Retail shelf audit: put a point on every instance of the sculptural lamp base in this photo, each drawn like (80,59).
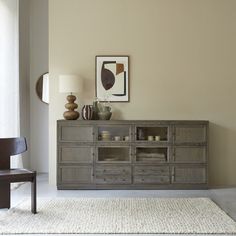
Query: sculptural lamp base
(71,106)
(71,115)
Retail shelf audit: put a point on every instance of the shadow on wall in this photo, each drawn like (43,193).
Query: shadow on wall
(116,114)
(221,155)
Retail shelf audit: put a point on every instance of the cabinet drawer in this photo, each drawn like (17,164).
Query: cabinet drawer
(76,155)
(76,174)
(151,170)
(189,175)
(151,179)
(77,133)
(190,134)
(116,179)
(189,154)
(113,170)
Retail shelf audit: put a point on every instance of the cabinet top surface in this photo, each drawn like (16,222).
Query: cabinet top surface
(107,122)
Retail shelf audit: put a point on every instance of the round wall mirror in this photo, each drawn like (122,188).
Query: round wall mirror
(42,88)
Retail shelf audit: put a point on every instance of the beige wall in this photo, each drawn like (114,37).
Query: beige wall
(182,64)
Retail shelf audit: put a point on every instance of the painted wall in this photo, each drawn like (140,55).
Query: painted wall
(38,66)
(24,76)
(182,64)
(33,53)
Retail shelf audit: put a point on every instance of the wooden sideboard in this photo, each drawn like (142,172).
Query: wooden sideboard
(132,154)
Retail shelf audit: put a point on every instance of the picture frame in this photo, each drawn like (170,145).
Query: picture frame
(112,78)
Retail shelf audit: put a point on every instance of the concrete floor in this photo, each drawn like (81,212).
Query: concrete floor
(225,198)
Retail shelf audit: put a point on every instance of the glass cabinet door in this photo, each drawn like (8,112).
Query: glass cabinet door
(190,134)
(189,154)
(152,133)
(113,154)
(77,133)
(76,174)
(114,133)
(152,154)
(189,174)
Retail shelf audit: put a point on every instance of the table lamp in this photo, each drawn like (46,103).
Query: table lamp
(70,84)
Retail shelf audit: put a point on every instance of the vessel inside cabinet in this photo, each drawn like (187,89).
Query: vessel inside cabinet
(152,133)
(114,133)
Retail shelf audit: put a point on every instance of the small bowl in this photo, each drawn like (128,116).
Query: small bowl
(150,138)
(117,138)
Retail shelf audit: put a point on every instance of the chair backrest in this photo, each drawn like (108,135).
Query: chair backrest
(10,147)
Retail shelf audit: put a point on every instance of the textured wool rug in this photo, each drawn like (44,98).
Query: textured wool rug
(118,215)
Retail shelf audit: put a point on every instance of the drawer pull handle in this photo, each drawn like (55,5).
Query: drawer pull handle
(123,179)
(104,170)
(104,179)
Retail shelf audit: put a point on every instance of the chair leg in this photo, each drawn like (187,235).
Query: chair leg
(5,196)
(34,195)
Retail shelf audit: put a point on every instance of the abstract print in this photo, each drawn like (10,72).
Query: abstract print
(112,78)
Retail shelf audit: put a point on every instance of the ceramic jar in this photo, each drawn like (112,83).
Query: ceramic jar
(105,113)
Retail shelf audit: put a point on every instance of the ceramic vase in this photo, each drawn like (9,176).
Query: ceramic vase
(95,111)
(105,113)
(87,112)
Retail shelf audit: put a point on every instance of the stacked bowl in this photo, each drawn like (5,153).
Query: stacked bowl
(105,135)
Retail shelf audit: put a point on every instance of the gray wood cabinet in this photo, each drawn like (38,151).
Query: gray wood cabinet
(132,154)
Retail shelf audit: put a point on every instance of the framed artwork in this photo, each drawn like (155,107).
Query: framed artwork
(112,78)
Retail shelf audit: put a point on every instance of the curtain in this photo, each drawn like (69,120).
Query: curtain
(9,73)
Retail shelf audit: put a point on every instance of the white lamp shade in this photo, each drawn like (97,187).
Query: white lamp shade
(70,84)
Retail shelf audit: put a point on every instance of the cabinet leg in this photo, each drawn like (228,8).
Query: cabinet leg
(5,196)
(34,195)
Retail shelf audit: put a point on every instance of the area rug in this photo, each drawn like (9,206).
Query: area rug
(118,216)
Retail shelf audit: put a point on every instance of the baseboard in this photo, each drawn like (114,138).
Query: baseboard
(221,186)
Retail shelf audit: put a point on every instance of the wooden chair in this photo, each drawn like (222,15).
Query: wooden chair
(10,147)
